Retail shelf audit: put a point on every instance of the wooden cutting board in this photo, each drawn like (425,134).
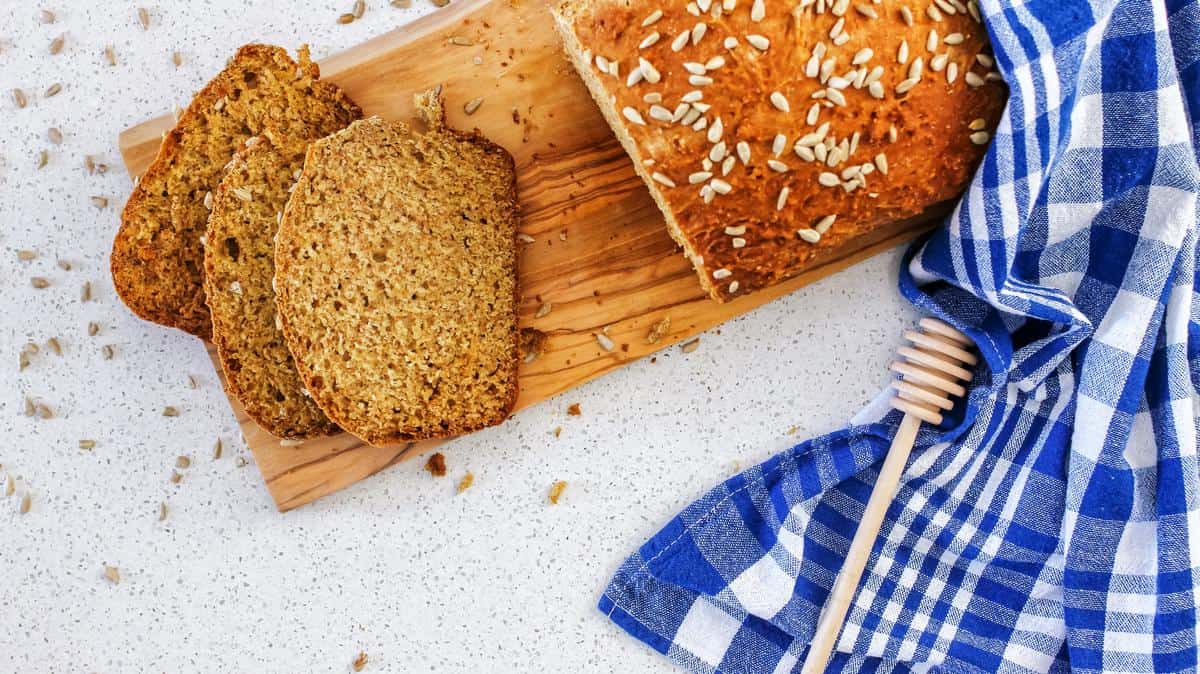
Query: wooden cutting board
(601,254)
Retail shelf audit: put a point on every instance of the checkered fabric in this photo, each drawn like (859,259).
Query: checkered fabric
(1053,522)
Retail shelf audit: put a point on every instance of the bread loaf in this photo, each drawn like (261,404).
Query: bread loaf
(770,133)
(239,265)
(396,279)
(157,259)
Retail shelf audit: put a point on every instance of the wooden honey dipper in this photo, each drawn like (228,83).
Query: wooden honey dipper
(931,370)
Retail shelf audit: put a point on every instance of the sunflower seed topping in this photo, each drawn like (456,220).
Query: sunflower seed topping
(652,18)
(824,224)
(758,42)
(980,137)
(680,41)
(973,79)
(633,116)
(809,235)
(662,179)
(828,179)
(649,40)
(721,274)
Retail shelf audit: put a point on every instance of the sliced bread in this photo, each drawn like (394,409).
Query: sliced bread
(157,258)
(396,278)
(239,264)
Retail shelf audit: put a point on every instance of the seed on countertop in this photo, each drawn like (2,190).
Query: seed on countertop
(93,329)
(360,661)
(177,59)
(26,503)
(144,18)
(473,105)
(53,90)
(26,255)
(56,45)
(39,282)
(44,411)
(401,4)
(100,202)
(54,135)
(54,346)
(43,159)
(170,411)
(556,491)
(176,476)
(162,511)
(360,8)
(85,293)
(113,574)
(10,485)
(440,3)
(87,444)
(692,344)
(345,18)
(19,98)
(23,361)
(46,16)
(110,55)
(108,351)
(183,462)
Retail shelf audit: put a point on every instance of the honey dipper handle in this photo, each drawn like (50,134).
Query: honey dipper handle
(836,607)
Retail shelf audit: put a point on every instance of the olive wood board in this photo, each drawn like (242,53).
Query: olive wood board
(601,255)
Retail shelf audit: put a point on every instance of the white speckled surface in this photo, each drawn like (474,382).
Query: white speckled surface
(397,566)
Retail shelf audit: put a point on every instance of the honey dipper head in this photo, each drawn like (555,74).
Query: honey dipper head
(931,370)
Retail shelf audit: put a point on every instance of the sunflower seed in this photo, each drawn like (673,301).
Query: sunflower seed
(217,448)
(781,200)
(345,18)
(652,18)
(633,115)
(730,42)
(23,361)
(112,574)
(85,292)
(780,102)
(980,137)
(10,486)
(110,55)
(698,32)
(691,345)
(53,90)
(973,79)
(54,346)
(680,41)
(604,341)
(240,462)
(26,503)
(170,411)
(985,60)
(906,85)
(777,166)
(93,329)
(699,177)
(721,274)
(758,42)
(933,12)
(44,411)
(758,11)
(360,7)
(54,135)
(907,15)
(824,224)
(162,511)
(87,444)
(100,202)
(46,16)
(473,105)
(183,462)
(39,282)
(662,179)
(19,98)
(952,73)
(649,40)
(56,45)
(144,18)
(176,476)
(26,255)
(743,152)
(809,235)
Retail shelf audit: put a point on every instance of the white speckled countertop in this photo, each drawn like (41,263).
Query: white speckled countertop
(397,566)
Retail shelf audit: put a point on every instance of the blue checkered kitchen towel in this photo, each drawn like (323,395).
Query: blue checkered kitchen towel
(1054,523)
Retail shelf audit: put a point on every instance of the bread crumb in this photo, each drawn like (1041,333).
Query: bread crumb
(574,410)
(533,343)
(792,430)
(113,574)
(436,465)
(557,431)
(556,491)
(466,482)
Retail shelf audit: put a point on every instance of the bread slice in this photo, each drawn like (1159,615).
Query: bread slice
(772,135)
(157,260)
(239,265)
(396,278)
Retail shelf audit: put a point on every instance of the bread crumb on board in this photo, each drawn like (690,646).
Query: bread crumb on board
(436,465)
(556,491)
(574,410)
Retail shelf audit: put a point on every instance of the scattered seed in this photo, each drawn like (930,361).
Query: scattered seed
(217,449)
(56,45)
(359,662)
(26,503)
(46,16)
(466,482)
(54,135)
(53,90)
(85,293)
(39,282)
(183,462)
(402,4)
(544,310)
(461,41)
(345,18)
(360,8)
(177,59)
(473,105)
(54,346)
(110,55)
(690,345)
(23,361)
(170,411)
(162,511)
(100,202)
(108,351)
(176,477)
(26,255)
(19,98)
(144,18)
(436,465)
(10,485)
(604,341)
(43,159)
(556,491)
(241,462)
(113,574)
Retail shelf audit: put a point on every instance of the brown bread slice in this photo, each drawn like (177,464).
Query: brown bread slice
(157,258)
(396,278)
(239,264)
